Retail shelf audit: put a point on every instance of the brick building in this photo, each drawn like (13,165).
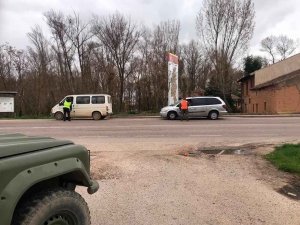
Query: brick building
(274,89)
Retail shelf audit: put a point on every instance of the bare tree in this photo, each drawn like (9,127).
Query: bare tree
(268,45)
(39,63)
(80,35)
(278,47)
(120,37)
(193,63)
(225,28)
(63,47)
(285,46)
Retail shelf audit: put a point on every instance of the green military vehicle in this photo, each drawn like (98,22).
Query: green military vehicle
(38,176)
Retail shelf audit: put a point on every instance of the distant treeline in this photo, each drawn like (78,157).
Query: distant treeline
(113,55)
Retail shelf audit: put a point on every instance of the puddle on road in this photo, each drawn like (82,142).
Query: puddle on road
(291,190)
(227,152)
(219,151)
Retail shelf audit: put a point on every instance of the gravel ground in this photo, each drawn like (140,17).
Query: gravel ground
(147,176)
(145,187)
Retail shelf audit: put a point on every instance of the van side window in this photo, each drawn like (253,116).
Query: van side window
(98,99)
(83,100)
(198,101)
(213,101)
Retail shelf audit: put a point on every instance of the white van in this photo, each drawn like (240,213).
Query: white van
(97,106)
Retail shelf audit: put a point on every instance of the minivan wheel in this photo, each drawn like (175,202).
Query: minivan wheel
(58,116)
(96,115)
(172,115)
(213,115)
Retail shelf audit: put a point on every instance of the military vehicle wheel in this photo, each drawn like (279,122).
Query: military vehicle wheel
(58,116)
(54,207)
(96,115)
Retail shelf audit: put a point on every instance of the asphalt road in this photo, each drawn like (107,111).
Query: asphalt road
(157,134)
(143,179)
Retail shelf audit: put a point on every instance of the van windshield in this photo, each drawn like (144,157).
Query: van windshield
(176,103)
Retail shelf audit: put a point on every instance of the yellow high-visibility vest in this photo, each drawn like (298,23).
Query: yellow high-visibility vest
(67,104)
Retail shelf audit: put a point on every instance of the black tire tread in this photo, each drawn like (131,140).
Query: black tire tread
(29,208)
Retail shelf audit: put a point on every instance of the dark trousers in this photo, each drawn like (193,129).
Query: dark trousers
(67,111)
(185,114)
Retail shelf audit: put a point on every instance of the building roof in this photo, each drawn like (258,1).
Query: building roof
(278,80)
(278,69)
(246,77)
(8,92)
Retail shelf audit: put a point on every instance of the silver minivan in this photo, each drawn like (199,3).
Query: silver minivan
(205,106)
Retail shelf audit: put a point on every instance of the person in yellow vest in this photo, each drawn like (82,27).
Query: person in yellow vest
(184,108)
(67,108)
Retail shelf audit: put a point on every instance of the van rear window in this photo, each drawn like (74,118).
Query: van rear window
(83,100)
(98,99)
(213,101)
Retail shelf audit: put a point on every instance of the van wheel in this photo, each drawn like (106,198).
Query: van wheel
(58,116)
(96,115)
(57,206)
(213,115)
(172,115)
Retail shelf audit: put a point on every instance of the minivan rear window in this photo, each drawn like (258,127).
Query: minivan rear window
(83,100)
(98,99)
(213,101)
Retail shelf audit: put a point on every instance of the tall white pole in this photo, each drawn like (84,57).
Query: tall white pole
(172,78)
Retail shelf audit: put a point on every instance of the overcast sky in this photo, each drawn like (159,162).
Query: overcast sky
(17,17)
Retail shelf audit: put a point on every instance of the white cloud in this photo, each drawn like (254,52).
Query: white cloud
(273,17)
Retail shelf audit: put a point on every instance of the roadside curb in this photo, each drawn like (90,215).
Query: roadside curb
(228,115)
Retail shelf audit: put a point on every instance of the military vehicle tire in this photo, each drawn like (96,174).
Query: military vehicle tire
(53,207)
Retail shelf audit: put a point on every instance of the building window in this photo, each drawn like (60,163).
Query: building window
(253,108)
(252,82)
(256,108)
(247,88)
(265,106)
(249,100)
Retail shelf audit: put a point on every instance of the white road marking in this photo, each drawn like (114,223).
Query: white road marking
(205,135)
(95,136)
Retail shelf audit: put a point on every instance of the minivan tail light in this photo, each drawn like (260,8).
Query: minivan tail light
(225,107)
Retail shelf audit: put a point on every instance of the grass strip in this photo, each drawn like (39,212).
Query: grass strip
(286,158)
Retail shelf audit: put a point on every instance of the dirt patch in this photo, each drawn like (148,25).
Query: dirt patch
(291,190)
(105,172)
(247,149)
(284,183)
(102,169)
